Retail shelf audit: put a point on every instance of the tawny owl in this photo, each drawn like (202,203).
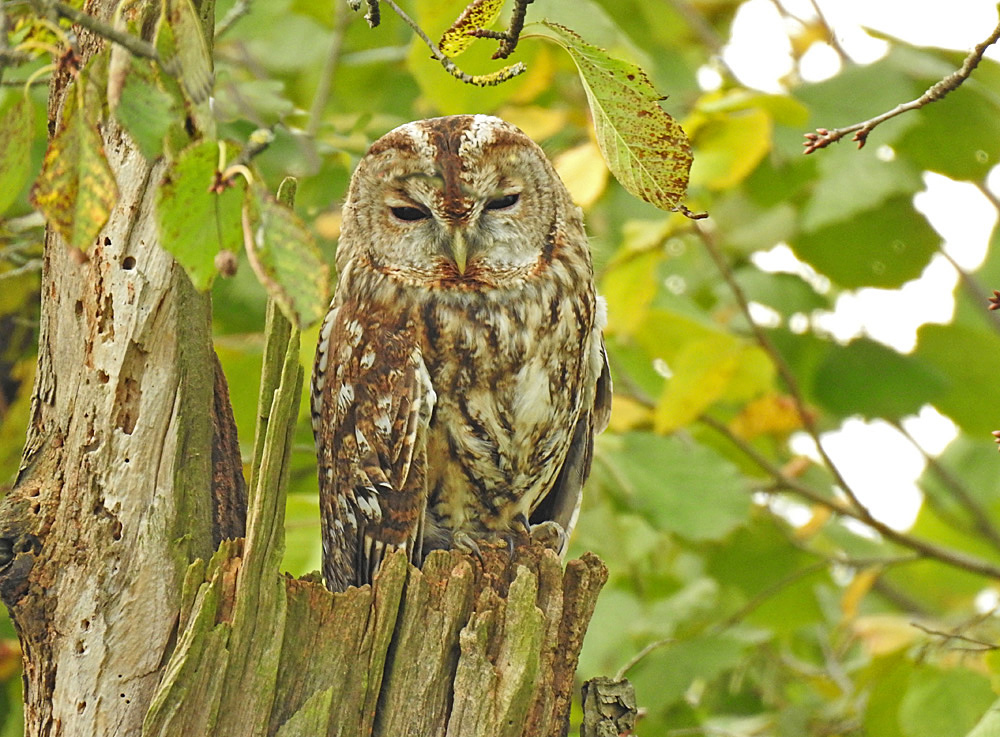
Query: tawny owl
(460,374)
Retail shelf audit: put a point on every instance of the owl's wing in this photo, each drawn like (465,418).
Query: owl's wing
(372,402)
(562,503)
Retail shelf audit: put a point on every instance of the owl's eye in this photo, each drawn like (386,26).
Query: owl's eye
(410,213)
(502,203)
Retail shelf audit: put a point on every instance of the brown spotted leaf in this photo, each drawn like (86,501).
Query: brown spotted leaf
(285,257)
(76,189)
(479,14)
(646,149)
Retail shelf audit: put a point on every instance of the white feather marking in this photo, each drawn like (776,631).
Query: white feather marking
(601,313)
(534,403)
(383,424)
(367,359)
(345,397)
(324,333)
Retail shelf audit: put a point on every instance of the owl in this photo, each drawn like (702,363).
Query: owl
(460,374)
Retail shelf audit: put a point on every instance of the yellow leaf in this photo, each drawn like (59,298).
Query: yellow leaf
(582,169)
(628,414)
(729,147)
(856,590)
(478,15)
(882,634)
(701,373)
(820,516)
(772,414)
(537,122)
(630,285)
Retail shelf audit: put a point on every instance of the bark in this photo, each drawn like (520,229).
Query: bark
(114,498)
(137,617)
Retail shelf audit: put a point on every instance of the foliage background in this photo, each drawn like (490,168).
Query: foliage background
(772,613)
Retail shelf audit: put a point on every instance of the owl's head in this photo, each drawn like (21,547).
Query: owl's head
(463,201)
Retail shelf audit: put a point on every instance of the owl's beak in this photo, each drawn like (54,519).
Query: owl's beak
(459,250)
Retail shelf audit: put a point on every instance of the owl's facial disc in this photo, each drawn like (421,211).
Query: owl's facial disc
(462,222)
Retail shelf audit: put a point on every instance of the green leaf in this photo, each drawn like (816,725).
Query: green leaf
(958,136)
(646,149)
(145,109)
(76,189)
(868,379)
(852,182)
(967,355)
(477,15)
(195,222)
(182,45)
(684,488)
(286,259)
(663,676)
(989,725)
(16,132)
(883,247)
(943,702)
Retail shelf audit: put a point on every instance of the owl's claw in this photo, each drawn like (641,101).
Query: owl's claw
(551,535)
(463,541)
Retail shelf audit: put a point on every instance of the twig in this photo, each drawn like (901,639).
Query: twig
(134,44)
(949,636)
(970,284)
(635,659)
(784,371)
(509,38)
(928,549)
(340,21)
(979,515)
(824,137)
(831,36)
(480,80)
(25,268)
(988,194)
(239,9)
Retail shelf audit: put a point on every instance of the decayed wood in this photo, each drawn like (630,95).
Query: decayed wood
(455,649)
(609,708)
(114,498)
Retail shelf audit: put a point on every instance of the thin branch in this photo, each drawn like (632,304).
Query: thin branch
(480,80)
(831,36)
(134,44)
(241,8)
(635,659)
(928,549)
(341,19)
(824,137)
(26,268)
(982,645)
(784,370)
(508,39)
(988,194)
(971,286)
(980,517)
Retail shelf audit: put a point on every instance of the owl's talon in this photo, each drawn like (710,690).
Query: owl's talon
(551,535)
(463,541)
(522,524)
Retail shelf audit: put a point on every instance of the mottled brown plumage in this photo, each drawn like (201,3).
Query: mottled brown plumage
(460,374)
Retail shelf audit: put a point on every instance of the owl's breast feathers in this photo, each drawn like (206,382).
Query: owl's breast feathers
(438,412)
